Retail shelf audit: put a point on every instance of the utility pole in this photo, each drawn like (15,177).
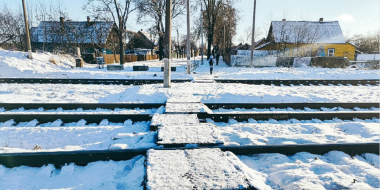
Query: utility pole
(224,40)
(253,33)
(177,42)
(168,40)
(188,38)
(202,31)
(27,32)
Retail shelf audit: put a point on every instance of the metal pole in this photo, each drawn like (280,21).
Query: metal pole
(27,32)
(253,33)
(178,43)
(168,39)
(202,32)
(224,40)
(188,38)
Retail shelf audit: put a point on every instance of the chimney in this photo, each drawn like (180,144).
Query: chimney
(62,21)
(283,20)
(320,19)
(88,21)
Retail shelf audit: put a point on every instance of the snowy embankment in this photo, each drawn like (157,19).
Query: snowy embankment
(15,64)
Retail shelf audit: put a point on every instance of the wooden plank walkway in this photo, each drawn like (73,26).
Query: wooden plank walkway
(181,136)
(195,169)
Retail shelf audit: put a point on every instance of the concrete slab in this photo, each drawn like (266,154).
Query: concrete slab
(183,99)
(173,120)
(180,136)
(195,169)
(182,108)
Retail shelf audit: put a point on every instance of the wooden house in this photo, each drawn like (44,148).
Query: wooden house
(68,35)
(140,40)
(307,39)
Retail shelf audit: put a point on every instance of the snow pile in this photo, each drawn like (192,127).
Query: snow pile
(16,64)
(334,170)
(272,132)
(97,175)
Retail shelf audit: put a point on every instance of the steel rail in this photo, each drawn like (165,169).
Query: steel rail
(225,117)
(82,158)
(88,81)
(69,117)
(84,106)
(213,106)
(288,82)
(320,105)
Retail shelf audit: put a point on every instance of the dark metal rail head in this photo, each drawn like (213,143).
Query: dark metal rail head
(82,158)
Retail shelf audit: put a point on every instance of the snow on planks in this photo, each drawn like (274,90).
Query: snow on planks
(188,108)
(180,136)
(173,119)
(195,169)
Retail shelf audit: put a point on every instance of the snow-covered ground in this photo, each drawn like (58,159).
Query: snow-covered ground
(334,170)
(97,175)
(297,132)
(72,137)
(210,93)
(15,64)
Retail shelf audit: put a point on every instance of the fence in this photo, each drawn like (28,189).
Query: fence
(111,58)
(262,61)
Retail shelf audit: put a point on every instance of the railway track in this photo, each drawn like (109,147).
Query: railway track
(159,81)
(82,158)
(88,81)
(66,117)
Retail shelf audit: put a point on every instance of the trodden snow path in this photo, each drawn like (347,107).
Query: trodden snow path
(195,169)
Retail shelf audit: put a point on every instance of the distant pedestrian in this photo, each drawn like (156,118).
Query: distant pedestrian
(217,58)
(211,63)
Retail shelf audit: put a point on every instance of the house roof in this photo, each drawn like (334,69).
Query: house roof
(306,32)
(74,32)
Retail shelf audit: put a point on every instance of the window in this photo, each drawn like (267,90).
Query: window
(330,52)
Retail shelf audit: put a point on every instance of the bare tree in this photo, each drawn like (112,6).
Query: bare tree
(155,9)
(368,43)
(12,28)
(118,11)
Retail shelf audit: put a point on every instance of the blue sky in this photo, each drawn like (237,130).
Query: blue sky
(354,16)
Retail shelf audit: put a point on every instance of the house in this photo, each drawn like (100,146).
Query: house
(307,39)
(140,40)
(68,35)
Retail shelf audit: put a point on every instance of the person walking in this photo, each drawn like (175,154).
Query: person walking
(211,63)
(217,58)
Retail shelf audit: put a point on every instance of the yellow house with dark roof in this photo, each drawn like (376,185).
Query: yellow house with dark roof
(308,39)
